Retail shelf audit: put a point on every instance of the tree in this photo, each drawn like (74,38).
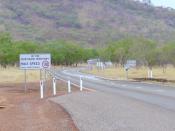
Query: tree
(119,50)
(6,52)
(104,54)
(169,52)
(144,50)
(89,54)
(23,47)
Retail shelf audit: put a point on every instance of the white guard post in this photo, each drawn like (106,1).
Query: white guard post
(81,84)
(41,89)
(69,87)
(54,86)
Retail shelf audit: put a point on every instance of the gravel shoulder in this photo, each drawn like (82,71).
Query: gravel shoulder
(21,111)
(97,111)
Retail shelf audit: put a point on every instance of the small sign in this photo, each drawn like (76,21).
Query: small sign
(130,64)
(35,61)
(92,61)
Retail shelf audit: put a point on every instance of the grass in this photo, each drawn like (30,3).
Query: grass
(119,73)
(15,75)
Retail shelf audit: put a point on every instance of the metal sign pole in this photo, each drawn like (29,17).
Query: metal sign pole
(126,74)
(25,80)
(45,78)
(40,74)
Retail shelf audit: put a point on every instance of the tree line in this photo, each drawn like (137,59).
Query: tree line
(146,52)
(62,52)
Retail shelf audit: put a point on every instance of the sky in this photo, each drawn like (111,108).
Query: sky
(165,3)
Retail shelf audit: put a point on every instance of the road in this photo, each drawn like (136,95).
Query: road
(160,95)
(118,105)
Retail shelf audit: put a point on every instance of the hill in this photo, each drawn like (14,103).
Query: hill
(88,22)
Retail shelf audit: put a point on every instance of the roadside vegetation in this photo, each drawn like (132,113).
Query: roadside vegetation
(149,54)
(62,52)
(135,73)
(14,75)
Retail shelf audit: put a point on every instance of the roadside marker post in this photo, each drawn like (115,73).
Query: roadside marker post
(41,90)
(81,84)
(69,86)
(129,64)
(54,86)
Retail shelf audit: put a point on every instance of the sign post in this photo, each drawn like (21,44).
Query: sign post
(35,62)
(25,80)
(129,64)
(40,74)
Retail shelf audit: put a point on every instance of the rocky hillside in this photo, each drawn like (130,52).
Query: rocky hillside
(88,22)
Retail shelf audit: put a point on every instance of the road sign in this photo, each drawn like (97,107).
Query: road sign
(130,64)
(92,61)
(35,61)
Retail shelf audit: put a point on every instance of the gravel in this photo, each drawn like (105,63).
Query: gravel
(97,111)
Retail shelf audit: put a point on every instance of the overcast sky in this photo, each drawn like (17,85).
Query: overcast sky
(166,3)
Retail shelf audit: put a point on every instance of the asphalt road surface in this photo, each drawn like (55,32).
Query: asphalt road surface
(118,105)
(151,93)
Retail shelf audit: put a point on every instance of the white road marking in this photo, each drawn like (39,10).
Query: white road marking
(78,75)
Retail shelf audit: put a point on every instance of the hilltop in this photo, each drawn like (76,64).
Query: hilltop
(87,22)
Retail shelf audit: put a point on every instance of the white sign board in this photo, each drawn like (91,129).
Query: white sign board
(92,61)
(130,64)
(35,61)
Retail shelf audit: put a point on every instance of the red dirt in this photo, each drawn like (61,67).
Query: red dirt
(21,111)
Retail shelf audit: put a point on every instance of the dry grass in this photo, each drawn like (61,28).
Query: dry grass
(119,73)
(15,75)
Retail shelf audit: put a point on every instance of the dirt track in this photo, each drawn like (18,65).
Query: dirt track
(21,111)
